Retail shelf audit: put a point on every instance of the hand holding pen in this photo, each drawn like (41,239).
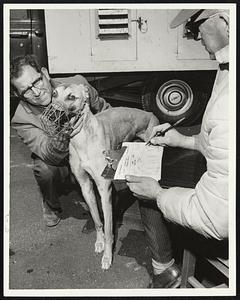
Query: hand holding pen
(161,130)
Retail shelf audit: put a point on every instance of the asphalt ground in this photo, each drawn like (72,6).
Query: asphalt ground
(63,257)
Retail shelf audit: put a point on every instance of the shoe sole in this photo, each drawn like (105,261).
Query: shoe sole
(54,224)
(176,284)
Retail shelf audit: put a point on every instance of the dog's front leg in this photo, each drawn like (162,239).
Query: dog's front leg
(105,191)
(89,195)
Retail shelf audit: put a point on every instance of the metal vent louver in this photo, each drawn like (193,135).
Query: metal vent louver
(113,23)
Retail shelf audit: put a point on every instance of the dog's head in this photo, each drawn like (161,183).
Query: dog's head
(72,97)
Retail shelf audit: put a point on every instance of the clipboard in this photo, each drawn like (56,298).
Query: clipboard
(180,167)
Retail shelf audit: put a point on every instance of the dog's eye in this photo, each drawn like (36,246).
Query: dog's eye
(71,97)
(54,93)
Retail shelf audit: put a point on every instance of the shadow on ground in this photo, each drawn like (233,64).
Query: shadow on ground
(131,244)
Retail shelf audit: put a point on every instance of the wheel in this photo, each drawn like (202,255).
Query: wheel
(174,99)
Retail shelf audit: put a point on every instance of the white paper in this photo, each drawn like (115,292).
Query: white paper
(140,160)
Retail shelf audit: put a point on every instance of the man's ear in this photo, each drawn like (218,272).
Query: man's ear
(45,72)
(13,90)
(15,93)
(225,18)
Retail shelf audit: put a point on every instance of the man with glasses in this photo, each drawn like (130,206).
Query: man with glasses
(33,85)
(205,208)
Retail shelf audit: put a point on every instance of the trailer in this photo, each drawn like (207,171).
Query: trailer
(131,55)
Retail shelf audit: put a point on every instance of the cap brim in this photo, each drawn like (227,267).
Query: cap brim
(182,17)
(185,14)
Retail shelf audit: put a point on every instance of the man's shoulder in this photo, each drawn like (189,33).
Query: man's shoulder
(23,114)
(19,112)
(77,79)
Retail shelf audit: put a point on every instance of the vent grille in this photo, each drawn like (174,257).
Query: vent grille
(113,23)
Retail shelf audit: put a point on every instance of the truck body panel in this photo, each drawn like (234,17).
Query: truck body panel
(75,46)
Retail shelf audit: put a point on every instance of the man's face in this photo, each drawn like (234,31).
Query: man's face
(214,34)
(33,86)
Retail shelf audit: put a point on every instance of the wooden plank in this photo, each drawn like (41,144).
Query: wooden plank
(224,261)
(219,266)
(220,286)
(195,283)
(188,267)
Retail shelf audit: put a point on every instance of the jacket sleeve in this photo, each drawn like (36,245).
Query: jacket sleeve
(40,144)
(205,208)
(97,104)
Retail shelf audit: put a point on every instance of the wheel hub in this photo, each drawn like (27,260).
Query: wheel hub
(174,97)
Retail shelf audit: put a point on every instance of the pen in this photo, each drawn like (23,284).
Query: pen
(162,133)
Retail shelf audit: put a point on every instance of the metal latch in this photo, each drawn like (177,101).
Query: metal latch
(142,24)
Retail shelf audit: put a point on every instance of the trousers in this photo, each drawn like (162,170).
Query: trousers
(50,177)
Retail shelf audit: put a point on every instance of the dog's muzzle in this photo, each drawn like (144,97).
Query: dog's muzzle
(55,120)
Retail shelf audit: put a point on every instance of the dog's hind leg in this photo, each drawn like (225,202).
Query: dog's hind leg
(105,191)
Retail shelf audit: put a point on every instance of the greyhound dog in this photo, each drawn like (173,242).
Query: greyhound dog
(100,132)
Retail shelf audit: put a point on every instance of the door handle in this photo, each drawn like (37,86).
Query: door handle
(38,33)
(142,24)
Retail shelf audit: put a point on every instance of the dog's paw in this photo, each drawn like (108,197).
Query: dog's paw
(106,262)
(100,242)
(99,247)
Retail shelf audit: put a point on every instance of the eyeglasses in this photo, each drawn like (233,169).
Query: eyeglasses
(193,28)
(28,92)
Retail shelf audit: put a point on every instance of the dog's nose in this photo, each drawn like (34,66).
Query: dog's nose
(72,108)
(54,93)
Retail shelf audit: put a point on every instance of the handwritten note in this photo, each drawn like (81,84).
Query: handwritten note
(140,160)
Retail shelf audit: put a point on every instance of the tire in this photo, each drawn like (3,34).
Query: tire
(173,99)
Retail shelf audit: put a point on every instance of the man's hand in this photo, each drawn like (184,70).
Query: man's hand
(61,141)
(171,138)
(144,187)
(77,124)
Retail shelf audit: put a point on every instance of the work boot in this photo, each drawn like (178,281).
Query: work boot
(169,278)
(51,216)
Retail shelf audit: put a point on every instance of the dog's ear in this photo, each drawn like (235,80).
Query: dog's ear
(83,92)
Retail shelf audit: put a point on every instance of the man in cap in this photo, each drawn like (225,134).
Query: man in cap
(203,209)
